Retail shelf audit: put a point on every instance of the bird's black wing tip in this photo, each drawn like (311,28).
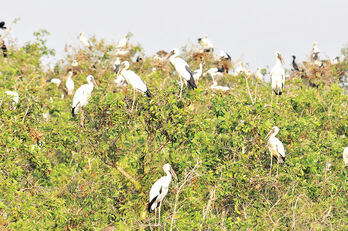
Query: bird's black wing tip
(150,204)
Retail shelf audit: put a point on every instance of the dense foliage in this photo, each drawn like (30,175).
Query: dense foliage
(58,175)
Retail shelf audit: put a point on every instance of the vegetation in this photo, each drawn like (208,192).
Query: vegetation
(58,175)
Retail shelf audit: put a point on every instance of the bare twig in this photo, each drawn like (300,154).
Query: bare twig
(188,176)
(252,101)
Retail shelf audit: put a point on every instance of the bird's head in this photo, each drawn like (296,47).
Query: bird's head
(279,57)
(294,57)
(90,79)
(274,131)
(174,51)
(168,168)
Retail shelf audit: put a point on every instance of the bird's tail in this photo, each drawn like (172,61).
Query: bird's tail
(191,83)
(73,111)
(148,93)
(150,205)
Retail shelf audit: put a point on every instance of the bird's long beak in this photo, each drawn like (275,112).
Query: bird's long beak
(95,84)
(120,69)
(173,174)
(281,58)
(267,136)
(169,54)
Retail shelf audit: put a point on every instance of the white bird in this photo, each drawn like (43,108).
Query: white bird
(134,80)
(215,73)
(69,83)
(278,75)
(55,81)
(183,70)
(74,63)
(159,190)
(123,42)
(258,74)
(220,88)
(84,40)
(336,60)
(82,95)
(120,81)
(198,73)
(14,96)
(315,48)
(224,56)
(206,44)
(275,146)
(345,156)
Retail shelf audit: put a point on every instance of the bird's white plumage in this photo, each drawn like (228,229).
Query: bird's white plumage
(180,65)
(278,74)
(206,43)
(84,40)
(132,78)
(14,96)
(219,88)
(258,74)
(198,73)
(123,42)
(215,73)
(83,94)
(275,146)
(55,81)
(160,188)
(345,156)
(70,83)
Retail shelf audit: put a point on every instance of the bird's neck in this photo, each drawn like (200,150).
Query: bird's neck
(279,63)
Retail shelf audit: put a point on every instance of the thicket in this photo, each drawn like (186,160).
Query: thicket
(55,174)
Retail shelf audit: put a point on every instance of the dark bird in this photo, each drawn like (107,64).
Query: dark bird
(294,64)
(2,25)
(4,50)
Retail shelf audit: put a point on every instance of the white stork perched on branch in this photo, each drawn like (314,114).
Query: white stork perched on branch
(159,190)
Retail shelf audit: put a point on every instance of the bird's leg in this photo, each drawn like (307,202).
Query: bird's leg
(270,168)
(155,215)
(159,215)
(82,118)
(181,87)
(133,99)
(255,91)
(271,98)
(277,98)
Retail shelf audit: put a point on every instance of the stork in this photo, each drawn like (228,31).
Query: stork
(82,96)
(134,80)
(214,86)
(159,190)
(55,81)
(70,83)
(123,42)
(14,96)
(198,73)
(206,44)
(275,146)
(258,74)
(345,156)
(183,70)
(278,75)
(215,73)
(84,40)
